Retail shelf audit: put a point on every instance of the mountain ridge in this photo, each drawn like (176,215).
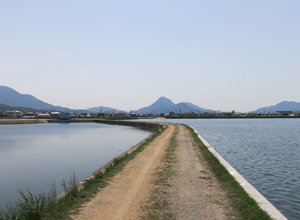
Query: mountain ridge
(11,97)
(14,99)
(281,106)
(165,105)
(103,109)
(157,106)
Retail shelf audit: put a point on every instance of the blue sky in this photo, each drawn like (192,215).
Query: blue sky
(221,55)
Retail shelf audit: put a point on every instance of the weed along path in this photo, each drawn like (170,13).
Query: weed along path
(127,192)
(169,179)
(185,188)
(195,192)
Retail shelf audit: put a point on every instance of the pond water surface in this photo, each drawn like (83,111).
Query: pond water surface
(265,151)
(32,156)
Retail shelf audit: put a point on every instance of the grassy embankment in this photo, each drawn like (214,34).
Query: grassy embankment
(46,206)
(104,118)
(241,201)
(10,122)
(228,117)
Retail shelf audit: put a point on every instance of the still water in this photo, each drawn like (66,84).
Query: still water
(32,156)
(265,151)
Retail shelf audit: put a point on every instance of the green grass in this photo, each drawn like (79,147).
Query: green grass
(41,206)
(241,201)
(36,121)
(158,206)
(36,206)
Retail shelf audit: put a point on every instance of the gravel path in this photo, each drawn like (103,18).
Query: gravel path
(193,193)
(128,191)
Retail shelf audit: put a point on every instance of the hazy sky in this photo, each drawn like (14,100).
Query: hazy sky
(222,55)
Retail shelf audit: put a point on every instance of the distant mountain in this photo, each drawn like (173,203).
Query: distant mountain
(184,107)
(10,97)
(103,109)
(157,107)
(196,107)
(164,105)
(282,106)
(5,108)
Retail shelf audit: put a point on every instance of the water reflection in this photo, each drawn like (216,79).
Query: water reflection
(32,156)
(265,151)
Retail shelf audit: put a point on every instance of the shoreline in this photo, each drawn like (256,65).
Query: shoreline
(249,189)
(264,204)
(23,121)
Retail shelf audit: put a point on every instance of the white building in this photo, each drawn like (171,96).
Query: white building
(55,114)
(109,114)
(14,113)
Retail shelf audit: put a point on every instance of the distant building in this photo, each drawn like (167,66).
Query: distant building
(297,113)
(109,114)
(120,114)
(253,114)
(100,114)
(55,114)
(72,115)
(285,113)
(83,114)
(226,114)
(43,115)
(203,114)
(276,114)
(172,114)
(14,113)
(64,116)
(190,114)
(29,115)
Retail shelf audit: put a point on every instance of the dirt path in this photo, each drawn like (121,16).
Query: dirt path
(193,192)
(128,191)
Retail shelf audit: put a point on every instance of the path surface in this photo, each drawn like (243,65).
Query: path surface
(194,191)
(128,191)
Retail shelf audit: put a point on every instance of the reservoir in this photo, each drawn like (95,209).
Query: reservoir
(264,151)
(32,156)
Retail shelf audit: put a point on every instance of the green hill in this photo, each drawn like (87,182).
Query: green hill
(4,108)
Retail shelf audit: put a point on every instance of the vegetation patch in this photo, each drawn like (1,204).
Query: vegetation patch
(42,206)
(7,122)
(241,201)
(158,206)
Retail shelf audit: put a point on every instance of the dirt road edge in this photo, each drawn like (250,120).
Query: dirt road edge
(263,203)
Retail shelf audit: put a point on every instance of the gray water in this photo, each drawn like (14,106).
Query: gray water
(265,151)
(32,156)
